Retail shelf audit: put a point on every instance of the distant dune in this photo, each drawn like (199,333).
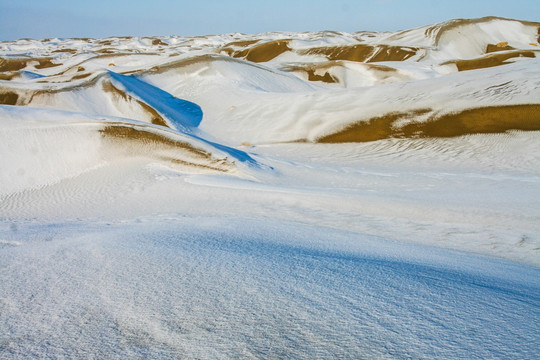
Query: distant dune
(219,93)
(385,76)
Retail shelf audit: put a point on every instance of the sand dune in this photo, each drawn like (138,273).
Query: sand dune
(81,142)
(8,98)
(14,64)
(210,103)
(139,141)
(491,60)
(260,52)
(278,195)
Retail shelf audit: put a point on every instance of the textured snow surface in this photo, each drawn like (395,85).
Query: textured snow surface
(228,288)
(278,195)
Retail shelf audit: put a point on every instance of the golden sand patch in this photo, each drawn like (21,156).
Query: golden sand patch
(14,64)
(363,52)
(323,71)
(8,75)
(327,77)
(260,52)
(158,42)
(314,72)
(484,120)
(46,63)
(8,98)
(145,143)
(373,129)
(502,46)
(108,87)
(105,42)
(490,60)
(80,76)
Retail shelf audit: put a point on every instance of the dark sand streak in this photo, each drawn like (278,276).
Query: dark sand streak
(363,52)
(149,143)
(484,120)
(260,52)
(491,60)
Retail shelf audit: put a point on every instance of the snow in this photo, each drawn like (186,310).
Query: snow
(182,113)
(220,287)
(161,199)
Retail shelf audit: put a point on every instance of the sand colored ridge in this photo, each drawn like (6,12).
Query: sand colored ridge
(495,119)
(139,141)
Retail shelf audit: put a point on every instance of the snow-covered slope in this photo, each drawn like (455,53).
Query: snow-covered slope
(317,195)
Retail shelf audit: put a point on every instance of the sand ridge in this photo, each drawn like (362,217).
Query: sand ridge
(71,74)
(260,52)
(484,120)
(136,140)
(492,59)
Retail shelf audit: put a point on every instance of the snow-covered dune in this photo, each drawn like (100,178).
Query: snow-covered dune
(42,147)
(287,88)
(227,288)
(276,195)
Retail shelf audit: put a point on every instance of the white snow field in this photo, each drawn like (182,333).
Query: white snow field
(281,195)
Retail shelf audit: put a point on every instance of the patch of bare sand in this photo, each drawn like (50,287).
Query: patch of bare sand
(8,98)
(491,60)
(46,63)
(80,76)
(138,141)
(260,52)
(158,42)
(373,129)
(106,51)
(322,71)
(484,120)
(14,64)
(363,52)
(8,75)
(105,42)
(502,46)
(314,72)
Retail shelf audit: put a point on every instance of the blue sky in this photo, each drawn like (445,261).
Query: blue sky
(101,18)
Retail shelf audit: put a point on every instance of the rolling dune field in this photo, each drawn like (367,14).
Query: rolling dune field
(277,195)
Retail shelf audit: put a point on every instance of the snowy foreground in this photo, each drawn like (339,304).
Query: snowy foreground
(281,195)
